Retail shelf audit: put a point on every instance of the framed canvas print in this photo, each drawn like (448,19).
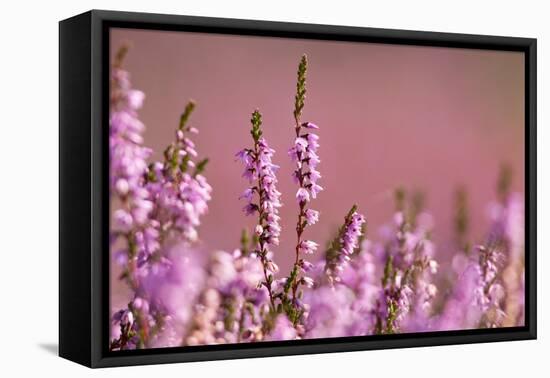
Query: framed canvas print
(233,188)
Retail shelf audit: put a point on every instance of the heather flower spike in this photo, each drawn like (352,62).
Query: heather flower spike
(344,245)
(132,224)
(263,199)
(304,155)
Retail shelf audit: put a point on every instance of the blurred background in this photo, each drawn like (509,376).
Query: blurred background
(424,118)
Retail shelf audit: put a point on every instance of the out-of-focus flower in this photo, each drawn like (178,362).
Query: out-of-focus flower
(283,330)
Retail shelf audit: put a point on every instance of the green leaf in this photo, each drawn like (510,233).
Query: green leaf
(201,165)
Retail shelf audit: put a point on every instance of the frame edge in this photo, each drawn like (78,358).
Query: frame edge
(75,336)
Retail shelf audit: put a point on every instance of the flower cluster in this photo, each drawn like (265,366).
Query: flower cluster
(408,293)
(178,293)
(177,186)
(156,206)
(232,305)
(128,167)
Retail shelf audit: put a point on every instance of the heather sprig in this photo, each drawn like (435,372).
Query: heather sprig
(344,245)
(263,199)
(304,154)
(181,193)
(395,299)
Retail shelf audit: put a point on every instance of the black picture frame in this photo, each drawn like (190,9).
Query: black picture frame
(84,201)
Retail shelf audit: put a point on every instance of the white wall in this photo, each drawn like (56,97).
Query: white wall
(29,189)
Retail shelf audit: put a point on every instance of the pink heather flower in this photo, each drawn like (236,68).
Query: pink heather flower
(300,145)
(306,266)
(272,267)
(312,216)
(313,175)
(135,99)
(302,195)
(122,186)
(250,208)
(122,330)
(308,247)
(308,281)
(315,189)
(433,265)
(247,194)
(123,220)
(127,318)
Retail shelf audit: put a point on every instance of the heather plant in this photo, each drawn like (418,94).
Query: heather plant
(180,293)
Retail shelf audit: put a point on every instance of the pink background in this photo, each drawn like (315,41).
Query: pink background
(422,117)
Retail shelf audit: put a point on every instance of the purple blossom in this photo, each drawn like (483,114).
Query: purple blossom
(308,247)
(312,216)
(302,195)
